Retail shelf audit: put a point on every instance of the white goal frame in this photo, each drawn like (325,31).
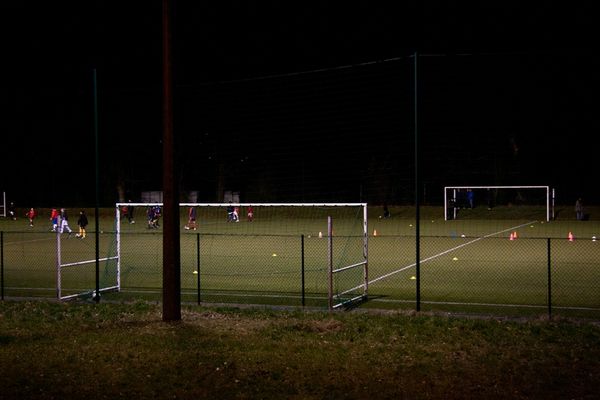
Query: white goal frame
(334,300)
(3,205)
(549,196)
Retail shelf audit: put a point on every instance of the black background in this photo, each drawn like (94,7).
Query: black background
(298,101)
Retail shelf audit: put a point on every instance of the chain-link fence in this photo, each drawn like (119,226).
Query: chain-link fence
(496,276)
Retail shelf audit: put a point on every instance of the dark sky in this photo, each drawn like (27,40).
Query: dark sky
(278,96)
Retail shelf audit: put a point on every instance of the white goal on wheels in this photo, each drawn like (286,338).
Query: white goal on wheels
(538,199)
(252,246)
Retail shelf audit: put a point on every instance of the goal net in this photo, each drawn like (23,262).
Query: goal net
(506,201)
(76,264)
(267,249)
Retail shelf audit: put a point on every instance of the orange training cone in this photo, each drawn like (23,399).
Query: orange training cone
(516,235)
(374,232)
(570,236)
(512,236)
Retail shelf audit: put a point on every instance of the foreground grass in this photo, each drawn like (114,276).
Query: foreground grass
(80,350)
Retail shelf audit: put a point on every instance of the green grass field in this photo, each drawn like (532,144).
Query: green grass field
(82,350)
(467,265)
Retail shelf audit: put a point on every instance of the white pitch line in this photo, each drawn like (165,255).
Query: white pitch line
(450,250)
(28,241)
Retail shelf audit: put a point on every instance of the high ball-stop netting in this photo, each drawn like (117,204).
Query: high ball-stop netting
(280,249)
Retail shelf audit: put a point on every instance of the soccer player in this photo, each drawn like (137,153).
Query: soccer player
(236,214)
(12,211)
(54,219)
(229,213)
(64,221)
(191,219)
(250,214)
(471,198)
(386,211)
(153,216)
(130,213)
(150,215)
(124,211)
(31,214)
(82,222)
(579,209)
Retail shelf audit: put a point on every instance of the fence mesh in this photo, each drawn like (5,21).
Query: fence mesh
(493,275)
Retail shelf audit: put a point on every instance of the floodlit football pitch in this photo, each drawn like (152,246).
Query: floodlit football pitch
(497,266)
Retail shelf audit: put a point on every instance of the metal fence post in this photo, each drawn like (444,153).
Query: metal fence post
(549,257)
(302,268)
(198,265)
(330,260)
(1,265)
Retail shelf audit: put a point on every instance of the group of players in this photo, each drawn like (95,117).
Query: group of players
(58,219)
(233,214)
(154,213)
(31,214)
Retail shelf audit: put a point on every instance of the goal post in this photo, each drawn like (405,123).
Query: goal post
(3,205)
(242,242)
(349,280)
(468,197)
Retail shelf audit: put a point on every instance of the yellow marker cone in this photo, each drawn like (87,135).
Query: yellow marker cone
(412,278)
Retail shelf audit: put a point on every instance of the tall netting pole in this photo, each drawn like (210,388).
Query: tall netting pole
(96,205)
(417,199)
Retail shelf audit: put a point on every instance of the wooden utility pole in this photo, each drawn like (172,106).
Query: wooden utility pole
(171,250)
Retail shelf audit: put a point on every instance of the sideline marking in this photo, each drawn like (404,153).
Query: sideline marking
(450,250)
(27,241)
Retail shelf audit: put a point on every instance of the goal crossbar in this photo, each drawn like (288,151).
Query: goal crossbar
(248,204)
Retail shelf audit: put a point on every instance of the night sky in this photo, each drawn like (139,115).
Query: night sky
(298,100)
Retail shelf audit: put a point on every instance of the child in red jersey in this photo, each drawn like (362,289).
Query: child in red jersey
(31,214)
(54,219)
